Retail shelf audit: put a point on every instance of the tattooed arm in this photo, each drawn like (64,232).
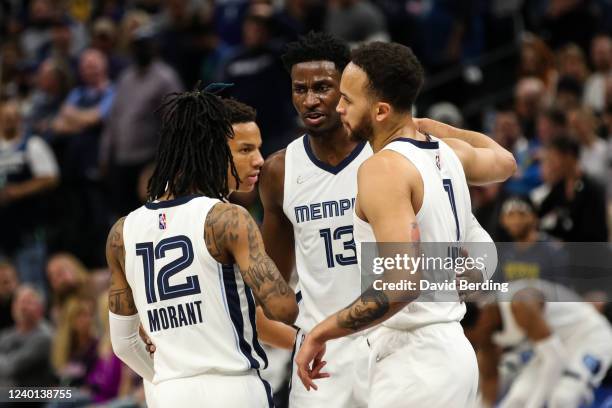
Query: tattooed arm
(232,236)
(120,299)
(123,316)
(389,190)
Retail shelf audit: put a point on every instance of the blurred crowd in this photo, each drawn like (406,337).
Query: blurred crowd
(81,80)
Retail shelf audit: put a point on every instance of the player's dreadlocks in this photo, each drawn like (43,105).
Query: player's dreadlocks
(193,155)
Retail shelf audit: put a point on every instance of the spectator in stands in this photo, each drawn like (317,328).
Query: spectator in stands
(537,60)
(37,32)
(28,171)
(25,348)
(486,204)
(261,81)
(355,21)
(508,133)
(575,208)
(81,121)
(133,20)
(551,123)
(130,137)
(108,374)
(569,94)
(531,256)
(184,39)
(104,38)
(8,286)
(573,64)
(61,47)
(530,97)
(9,68)
(593,150)
(601,60)
(67,278)
(53,83)
(75,343)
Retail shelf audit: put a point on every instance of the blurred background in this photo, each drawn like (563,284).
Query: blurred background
(80,81)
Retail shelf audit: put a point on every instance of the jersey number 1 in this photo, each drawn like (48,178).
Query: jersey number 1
(167,291)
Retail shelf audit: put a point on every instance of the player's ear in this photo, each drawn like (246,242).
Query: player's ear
(382,111)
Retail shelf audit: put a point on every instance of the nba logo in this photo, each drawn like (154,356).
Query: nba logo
(438,161)
(162,221)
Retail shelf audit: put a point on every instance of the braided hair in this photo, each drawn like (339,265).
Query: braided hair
(193,154)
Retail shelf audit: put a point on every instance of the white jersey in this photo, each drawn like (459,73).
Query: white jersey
(443,217)
(566,313)
(199,313)
(318,200)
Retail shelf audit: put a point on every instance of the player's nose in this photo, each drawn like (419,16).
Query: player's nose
(258,160)
(311,100)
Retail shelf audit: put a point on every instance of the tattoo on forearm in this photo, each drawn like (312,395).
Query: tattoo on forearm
(369,307)
(121,301)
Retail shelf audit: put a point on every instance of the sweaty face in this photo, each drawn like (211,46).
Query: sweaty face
(315,94)
(354,107)
(245,151)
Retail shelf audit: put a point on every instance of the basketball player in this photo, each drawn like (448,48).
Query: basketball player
(564,344)
(308,191)
(190,266)
(413,188)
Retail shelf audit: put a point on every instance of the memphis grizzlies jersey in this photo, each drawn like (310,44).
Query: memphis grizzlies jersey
(443,217)
(199,313)
(318,200)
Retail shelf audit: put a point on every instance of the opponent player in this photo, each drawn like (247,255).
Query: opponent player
(174,266)
(413,188)
(308,191)
(564,344)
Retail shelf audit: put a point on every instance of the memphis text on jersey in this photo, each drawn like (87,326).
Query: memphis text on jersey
(325,209)
(172,316)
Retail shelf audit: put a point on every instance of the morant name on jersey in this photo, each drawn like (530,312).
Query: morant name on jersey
(173,316)
(325,209)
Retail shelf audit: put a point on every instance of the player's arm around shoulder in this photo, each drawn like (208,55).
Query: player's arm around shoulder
(232,235)
(484,160)
(276,229)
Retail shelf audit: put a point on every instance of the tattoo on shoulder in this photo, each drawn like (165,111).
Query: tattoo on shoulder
(220,228)
(369,307)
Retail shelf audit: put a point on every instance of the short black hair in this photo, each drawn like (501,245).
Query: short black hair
(565,145)
(239,112)
(317,47)
(394,73)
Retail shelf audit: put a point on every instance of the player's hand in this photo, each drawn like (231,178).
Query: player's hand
(147,341)
(470,275)
(311,351)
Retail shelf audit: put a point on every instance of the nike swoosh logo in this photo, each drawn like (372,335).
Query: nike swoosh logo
(302,178)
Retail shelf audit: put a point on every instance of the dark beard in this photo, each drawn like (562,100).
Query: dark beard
(363,132)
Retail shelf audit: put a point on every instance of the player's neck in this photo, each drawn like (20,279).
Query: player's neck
(401,129)
(332,147)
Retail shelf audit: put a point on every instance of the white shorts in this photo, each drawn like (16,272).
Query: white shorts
(214,391)
(347,360)
(432,366)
